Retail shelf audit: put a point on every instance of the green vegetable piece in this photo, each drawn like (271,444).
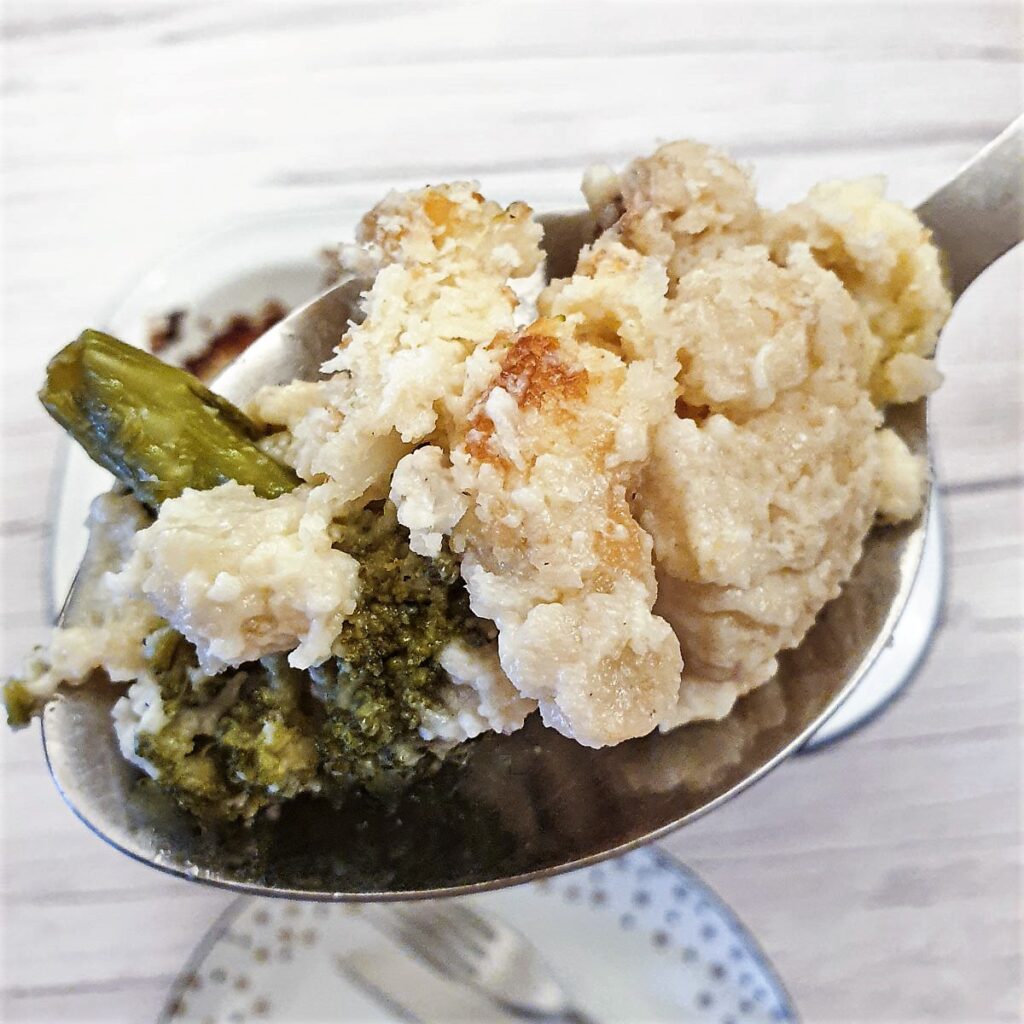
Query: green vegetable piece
(20,704)
(267,737)
(155,427)
(232,743)
(385,672)
(247,738)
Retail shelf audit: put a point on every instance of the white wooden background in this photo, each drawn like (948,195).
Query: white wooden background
(882,876)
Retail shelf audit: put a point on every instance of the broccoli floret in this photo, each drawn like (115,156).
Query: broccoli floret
(232,743)
(370,734)
(385,671)
(236,742)
(19,702)
(189,769)
(268,739)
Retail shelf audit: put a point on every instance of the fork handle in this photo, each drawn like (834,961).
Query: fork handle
(571,1016)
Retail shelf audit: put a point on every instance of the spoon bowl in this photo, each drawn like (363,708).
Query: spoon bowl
(533,803)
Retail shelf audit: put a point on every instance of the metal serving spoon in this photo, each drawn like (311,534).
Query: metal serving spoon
(532,803)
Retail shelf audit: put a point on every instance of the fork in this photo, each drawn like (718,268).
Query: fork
(483,953)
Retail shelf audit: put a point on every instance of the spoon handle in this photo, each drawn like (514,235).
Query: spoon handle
(979,214)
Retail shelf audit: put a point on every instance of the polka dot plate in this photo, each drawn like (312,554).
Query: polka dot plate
(636,940)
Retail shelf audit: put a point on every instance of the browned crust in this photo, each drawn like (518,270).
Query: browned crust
(440,210)
(535,375)
(478,442)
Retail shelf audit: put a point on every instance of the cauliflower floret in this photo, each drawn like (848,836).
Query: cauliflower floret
(748,331)
(139,711)
(905,377)
(111,641)
(480,699)
(762,487)
(902,479)
(551,551)
(428,504)
(242,576)
(447,255)
(788,333)
(756,526)
(106,632)
(603,667)
(729,502)
(452,224)
(884,256)
(683,204)
(617,296)
(760,492)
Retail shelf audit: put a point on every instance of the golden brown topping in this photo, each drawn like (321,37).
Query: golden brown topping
(439,208)
(533,373)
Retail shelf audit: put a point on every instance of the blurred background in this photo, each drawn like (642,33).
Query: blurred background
(882,875)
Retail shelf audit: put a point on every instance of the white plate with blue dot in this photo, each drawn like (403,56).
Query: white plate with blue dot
(636,940)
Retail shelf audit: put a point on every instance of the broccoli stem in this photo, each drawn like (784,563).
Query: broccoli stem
(154,426)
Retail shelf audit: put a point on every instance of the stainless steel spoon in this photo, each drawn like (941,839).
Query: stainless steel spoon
(533,803)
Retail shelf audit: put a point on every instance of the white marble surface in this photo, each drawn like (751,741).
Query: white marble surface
(883,875)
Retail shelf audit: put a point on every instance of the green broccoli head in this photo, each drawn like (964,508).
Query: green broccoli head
(263,733)
(232,743)
(385,672)
(267,738)
(188,767)
(19,703)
